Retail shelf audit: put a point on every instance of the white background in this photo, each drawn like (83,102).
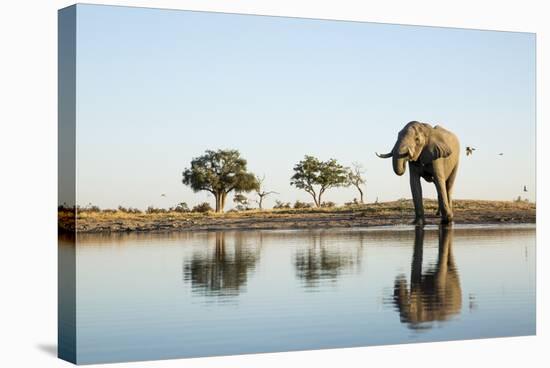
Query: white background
(28,180)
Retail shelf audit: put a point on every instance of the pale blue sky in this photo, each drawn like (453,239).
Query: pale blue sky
(156,88)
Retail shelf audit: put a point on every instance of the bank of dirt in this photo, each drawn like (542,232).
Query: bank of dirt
(376,214)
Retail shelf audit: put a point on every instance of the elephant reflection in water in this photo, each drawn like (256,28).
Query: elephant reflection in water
(322,261)
(435,295)
(223,270)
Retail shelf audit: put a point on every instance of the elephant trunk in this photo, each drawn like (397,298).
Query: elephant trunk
(399,159)
(398,165)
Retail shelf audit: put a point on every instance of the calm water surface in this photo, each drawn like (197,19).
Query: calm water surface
(158,296)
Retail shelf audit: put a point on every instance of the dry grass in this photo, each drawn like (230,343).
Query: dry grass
(396,212)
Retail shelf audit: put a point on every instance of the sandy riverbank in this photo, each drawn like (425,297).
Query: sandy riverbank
(387,213)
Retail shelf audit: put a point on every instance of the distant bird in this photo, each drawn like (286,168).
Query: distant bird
(163,195)
(469,150)
(525,188)
(500,154)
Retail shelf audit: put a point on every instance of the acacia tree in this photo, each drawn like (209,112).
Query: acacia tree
(355,178)
(261,192)
(316,177)
(219,172)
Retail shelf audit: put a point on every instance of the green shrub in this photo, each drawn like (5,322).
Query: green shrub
(128,209)
(151,210)
(355,202)
(202,208)
(89,208)
(180,207)
(242,202)
(281,205)
(521,200)
(300,204)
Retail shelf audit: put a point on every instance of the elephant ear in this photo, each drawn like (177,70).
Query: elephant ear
(440,150)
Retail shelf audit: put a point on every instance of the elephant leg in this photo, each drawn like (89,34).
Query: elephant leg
(416,267)
(441,276)
(416,191)
(443,199)
(438,212)
(450,184)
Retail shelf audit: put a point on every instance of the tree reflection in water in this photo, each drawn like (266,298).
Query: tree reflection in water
(325,261)
(223,269)
(434,295)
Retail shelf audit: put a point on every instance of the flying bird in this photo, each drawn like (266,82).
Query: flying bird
(163,195)
(469,150)
(525,188)
(500,154)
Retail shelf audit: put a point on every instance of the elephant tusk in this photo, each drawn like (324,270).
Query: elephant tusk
(384,155)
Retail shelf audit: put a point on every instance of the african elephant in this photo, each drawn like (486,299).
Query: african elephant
(435,294)
(433,154)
